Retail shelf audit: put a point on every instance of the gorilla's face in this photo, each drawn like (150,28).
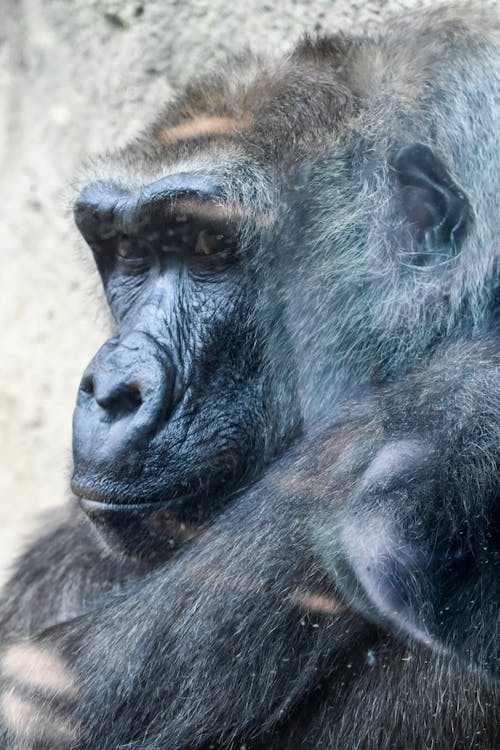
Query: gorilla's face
(179,406)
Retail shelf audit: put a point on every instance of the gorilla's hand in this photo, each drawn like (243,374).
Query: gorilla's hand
(39,694)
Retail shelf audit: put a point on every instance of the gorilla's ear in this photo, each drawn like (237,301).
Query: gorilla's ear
(437,210)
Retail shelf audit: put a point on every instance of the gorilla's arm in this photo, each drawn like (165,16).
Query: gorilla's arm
(399,506)
(65,573)
(176,644)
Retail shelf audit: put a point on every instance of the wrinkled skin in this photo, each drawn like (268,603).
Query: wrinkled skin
(180,405)
(221,580)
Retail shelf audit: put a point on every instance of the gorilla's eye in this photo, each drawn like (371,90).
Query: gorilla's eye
(132,253)
(209,242)
(200,242)
(125,249)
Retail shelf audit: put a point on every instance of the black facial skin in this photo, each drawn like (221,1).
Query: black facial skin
(345,594)
(176,409)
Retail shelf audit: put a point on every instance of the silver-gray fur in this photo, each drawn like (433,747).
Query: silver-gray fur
(347,599)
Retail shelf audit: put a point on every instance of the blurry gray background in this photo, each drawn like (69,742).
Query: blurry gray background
(77,77)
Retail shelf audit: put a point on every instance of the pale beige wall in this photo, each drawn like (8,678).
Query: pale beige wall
(77,76)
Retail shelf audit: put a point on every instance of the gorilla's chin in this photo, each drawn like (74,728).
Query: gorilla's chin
(149,532)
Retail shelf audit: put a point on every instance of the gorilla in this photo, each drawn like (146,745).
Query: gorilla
(284,522)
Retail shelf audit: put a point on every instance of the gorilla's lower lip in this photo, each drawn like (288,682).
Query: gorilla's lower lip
(101,505)
(91,498)
(96,500)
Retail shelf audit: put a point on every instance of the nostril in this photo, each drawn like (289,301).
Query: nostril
(130,398)
(121,402)
(87,385)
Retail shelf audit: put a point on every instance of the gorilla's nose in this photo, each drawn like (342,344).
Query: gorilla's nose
(125,393)
(128,377)
(120,385)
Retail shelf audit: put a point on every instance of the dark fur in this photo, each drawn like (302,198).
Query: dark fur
(349,598)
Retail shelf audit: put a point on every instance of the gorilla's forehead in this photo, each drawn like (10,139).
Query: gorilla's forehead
(266,112)
(270,114)
(246,125)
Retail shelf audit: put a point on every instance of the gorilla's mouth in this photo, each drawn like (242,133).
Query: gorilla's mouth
(93,500)
(110,504)
(93,490)
(91,505)
(191,498)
